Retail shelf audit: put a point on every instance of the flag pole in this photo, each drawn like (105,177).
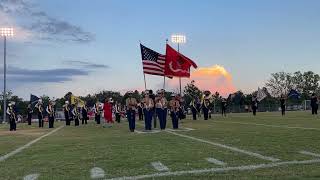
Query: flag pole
(145,83)
(144,75)
(164,77)
(179,77)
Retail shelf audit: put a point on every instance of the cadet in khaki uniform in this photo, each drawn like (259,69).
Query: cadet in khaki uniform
(174,110)
(131,104)
(161,109)
(148,110)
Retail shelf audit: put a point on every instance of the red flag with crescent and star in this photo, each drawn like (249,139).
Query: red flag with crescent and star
(177,64)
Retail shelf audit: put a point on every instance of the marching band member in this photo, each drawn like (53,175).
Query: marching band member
(97,112)
(131,104)
(66,110)
(117,110)
(148,110)
(12,117)
(199,107)
(30,111)
(206,104)
(174,110)
(50,111)
(40,109)
(194,109)
(223,107)
(107,110)
(314,104)
(84,112)
(283,105)
(76,115)
(254,105)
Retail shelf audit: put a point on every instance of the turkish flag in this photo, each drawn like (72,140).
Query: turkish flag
(177,64)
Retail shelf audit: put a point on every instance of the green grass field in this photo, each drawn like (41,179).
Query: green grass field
(264,147)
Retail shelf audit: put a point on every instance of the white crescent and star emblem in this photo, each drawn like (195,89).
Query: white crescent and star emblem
(176,70)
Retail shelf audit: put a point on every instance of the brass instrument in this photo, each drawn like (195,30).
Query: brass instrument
(50,111)
(12,114)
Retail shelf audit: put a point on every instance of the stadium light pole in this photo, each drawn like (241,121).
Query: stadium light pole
(178,39)
(5,32)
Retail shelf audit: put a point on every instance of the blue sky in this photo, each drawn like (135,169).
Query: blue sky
(94,45)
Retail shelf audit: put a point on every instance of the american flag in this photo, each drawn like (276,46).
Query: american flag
(152,61)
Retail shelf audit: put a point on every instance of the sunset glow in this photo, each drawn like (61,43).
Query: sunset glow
(214,78)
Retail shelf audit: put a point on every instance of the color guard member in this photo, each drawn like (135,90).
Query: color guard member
(161,109)
(148,110)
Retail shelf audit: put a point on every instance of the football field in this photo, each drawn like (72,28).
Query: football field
(239,146)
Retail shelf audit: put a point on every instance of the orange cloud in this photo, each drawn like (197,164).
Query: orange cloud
(214,78)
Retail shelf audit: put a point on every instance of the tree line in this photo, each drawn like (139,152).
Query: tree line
(279,84)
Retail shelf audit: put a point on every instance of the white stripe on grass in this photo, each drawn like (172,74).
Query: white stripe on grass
(269,125)
(147,132)
(16,151)
(97,173)
(227,147)
(310,153)
(219,170)
(159,166)
(216,161)
(180,129)
(31,177)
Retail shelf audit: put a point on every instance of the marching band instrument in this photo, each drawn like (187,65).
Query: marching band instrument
(12,114)
(50,110)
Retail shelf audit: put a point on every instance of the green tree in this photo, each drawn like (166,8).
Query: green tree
(191,91)
(280,83)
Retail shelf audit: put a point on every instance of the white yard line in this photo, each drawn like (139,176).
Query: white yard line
(147,132)
(180,129)
(31,177)
(268,125)
(97,173)
(310,153)
(227,147)
(16,151)
(216,161)
(159,166)
(219,170)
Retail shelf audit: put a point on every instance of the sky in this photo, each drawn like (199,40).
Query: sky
(86,46)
